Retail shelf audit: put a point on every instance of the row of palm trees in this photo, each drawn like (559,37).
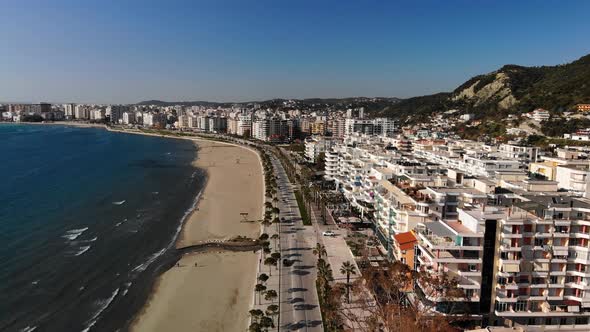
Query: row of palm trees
(264,320)
(328,304)
(329,297)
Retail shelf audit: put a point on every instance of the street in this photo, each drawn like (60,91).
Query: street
(299,305)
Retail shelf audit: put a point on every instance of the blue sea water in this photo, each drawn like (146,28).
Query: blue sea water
(87,221)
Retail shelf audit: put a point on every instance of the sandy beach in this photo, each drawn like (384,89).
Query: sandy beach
(216,294)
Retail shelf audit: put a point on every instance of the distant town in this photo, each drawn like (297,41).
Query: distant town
(507,221)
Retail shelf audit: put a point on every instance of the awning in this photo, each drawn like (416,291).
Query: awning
(511,267)
(560,252)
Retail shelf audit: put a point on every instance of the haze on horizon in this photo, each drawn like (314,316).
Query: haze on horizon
(111,52)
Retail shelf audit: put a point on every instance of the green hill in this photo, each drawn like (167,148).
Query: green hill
(509,90)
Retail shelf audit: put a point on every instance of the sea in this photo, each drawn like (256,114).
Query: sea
(88,221)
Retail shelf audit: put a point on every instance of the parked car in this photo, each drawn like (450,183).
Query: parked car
(328,233)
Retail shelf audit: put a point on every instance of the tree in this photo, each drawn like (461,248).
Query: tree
(259,288)
(270,295)
(276,255)
(263,278)
(255,327)
(256,314)
(266,323)
(320,250)
(348,269)
(263,237)
(275,237)
(272,310)
(382,296)
(266,222)
(270,262)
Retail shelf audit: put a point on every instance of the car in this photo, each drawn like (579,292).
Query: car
(328,233)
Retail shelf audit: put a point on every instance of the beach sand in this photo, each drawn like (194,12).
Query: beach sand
(216,295)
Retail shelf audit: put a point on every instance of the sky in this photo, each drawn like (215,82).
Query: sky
(130,51)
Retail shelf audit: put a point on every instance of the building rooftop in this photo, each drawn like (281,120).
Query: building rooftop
(406,240)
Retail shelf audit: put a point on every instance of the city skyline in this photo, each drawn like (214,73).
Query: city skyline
(234,52)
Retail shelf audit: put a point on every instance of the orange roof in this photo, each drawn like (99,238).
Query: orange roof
(405,240)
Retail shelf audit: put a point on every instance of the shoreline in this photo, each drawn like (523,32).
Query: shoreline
(222,284)
(220,307)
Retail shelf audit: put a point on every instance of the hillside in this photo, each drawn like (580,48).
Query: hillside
(509,90)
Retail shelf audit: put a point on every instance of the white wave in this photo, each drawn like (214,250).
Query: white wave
(82,250)
(35,282)
(102,305)
(93,239)
(127,286)
(74,233)
(155,192)
(120,202)
(29,329)
(144,265)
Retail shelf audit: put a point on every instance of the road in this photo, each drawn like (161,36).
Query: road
(299,306)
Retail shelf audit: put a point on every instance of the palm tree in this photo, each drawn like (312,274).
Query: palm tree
(256,314)
(348,269)
(263,278)
(320,250)
(266,222)
(266,322)
(259,288)
(275,237)
(270,295)
(272,310)
(270,262)
(255,327)
(268,205)
(263,237)
(324,270)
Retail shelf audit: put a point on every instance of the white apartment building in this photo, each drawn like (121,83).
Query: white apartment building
(316,145)
(81,112)
(128,118)
(244,125)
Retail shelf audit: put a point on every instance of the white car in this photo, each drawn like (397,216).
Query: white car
(328,233)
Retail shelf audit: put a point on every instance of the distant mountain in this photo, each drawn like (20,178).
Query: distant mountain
(508,90)
(372,104)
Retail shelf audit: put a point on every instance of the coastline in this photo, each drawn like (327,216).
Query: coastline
(216,294)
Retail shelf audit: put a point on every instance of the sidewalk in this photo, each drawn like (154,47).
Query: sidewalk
(338,253)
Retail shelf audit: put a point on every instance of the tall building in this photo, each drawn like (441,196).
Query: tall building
(128,117)
(244,126)
(69,110)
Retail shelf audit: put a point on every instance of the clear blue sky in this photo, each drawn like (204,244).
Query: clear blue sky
(128,51)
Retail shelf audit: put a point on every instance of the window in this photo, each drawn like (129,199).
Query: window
(501,306)
(520,306)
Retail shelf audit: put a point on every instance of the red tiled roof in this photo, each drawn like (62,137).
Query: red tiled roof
(405,240)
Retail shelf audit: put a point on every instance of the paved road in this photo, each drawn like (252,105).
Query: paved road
(299,307)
